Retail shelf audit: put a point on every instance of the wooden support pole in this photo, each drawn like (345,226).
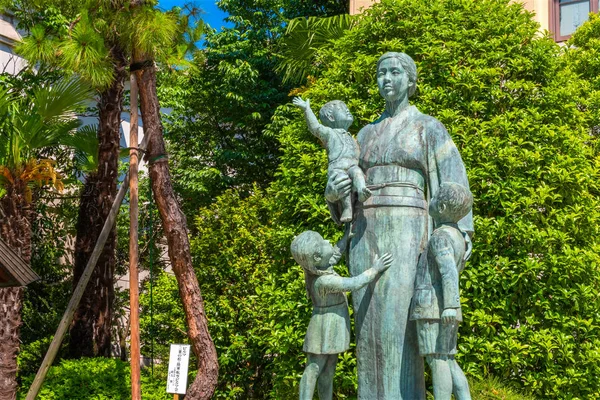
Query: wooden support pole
(67,318)
(134,303)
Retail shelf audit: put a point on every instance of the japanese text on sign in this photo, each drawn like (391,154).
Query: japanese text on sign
(179,360)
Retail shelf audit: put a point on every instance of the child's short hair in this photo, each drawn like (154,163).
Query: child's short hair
(304,246)
(458,200)
(323,111)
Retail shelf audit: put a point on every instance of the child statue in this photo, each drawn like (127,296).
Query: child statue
(329,328)
(436,302)
(342,149)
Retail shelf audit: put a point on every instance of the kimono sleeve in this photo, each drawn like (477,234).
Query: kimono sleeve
(445,165)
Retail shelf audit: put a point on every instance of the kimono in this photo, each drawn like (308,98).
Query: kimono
(405,159)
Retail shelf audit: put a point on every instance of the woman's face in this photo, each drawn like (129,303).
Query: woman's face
(392,80)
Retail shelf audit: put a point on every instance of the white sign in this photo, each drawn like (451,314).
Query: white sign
(179,360)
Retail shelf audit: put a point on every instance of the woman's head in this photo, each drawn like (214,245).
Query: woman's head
(396,76)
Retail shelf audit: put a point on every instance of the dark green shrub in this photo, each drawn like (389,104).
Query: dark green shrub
(493,389)
(94,378)
(87,378)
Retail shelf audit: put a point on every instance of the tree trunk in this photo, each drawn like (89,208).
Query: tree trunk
(90,332)
(175,228)
(15,229)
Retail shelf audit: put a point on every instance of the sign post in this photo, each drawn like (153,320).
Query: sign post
(179,360)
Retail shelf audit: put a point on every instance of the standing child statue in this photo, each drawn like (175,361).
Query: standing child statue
(329,328)
(436,302)
(342,149)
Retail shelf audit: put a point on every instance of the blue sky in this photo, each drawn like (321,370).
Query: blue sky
(212,14)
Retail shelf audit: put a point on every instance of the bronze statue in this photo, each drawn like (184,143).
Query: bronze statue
(405,156)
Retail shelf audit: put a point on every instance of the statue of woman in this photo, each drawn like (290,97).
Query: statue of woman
(405,156)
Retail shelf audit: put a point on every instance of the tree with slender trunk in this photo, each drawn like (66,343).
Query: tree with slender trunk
(28,124)
(172,217)
(175,228)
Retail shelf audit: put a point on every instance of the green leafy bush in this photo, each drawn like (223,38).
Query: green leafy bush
(493,389)
(45,300)
(87,378)
(583,55)
(94,378)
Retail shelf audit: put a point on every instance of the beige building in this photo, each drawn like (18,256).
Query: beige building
(561,17)
(9,35)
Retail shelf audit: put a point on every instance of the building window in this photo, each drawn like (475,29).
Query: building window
(567,15)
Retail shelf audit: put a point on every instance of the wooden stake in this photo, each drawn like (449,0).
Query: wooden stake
(134,303)
(67,318)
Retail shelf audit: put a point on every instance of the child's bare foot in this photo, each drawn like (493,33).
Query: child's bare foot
(364,194)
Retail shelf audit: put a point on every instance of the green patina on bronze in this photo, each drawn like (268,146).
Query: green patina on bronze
(405,156)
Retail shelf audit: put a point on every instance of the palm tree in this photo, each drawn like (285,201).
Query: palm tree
(98,47)
(28,124)
(304,37)
(90,48)
(114,31)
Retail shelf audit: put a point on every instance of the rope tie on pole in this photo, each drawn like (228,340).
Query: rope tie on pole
(141,65)
(158,158)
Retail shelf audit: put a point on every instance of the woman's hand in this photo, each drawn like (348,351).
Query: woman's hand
(339,186)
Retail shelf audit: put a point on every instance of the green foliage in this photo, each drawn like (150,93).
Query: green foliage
(85,143)
(29,123)
(85,379)
(162,320)
(583,55)
(95,378)
(215,129)
(493,389)
(45,300)
(586,49)
(267,17)
(517,112)
(221,107)
(89,38)
(304,37)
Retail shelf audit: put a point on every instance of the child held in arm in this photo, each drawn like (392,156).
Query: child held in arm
(342,149)
(329,328)
(436,302)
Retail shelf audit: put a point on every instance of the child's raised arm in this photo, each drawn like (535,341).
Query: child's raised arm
(320,131)
(336,283)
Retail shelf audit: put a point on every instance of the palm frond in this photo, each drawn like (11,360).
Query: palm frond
(85,52)
(44,119)
(38,46)
(304,37)
(40,173)
(8,100)
(85,144)
(61,99)
(155,31)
